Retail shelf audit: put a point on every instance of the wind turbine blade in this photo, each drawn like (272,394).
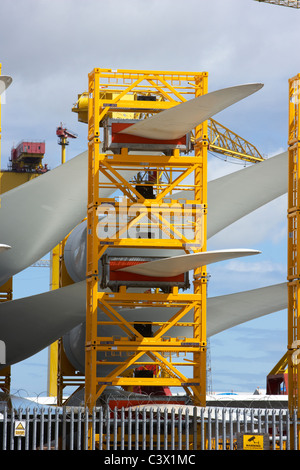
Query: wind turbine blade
(4,247)
(230,310)
(183,118)
(56,203)
(223,312)
(230,198)
(176,265)
(5,82)
(236,195)
(30,324)
(37,215)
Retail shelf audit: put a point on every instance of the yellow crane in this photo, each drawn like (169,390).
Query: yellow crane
(284,3)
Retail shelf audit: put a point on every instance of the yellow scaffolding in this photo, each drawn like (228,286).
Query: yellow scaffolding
(0,125)
(220,139)
(128,351)
(293,274)
(61,373)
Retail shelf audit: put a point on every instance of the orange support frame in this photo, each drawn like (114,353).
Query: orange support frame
(132,344)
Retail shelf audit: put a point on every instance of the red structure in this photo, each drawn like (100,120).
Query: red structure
(64,133)
(277,384)
(28,156)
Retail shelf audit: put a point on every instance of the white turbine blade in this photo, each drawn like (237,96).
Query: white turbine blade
(230,310)
(175,122)
(30,324)
(5,82)
(222,312)
(176,265)
(4,247)
(236,195)
(233,196)
(37,215)
(230,198)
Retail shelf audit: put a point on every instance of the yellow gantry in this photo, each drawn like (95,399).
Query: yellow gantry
(131,349)
(293,273)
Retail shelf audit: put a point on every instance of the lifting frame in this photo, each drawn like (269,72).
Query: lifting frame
(129,351)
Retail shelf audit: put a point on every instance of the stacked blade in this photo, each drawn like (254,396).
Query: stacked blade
(36,216)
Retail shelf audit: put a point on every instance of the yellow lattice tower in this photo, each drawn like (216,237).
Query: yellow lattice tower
(293,274)
(132,346)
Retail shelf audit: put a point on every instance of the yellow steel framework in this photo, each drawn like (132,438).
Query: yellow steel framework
(220,139)
(228,143)
(277,379)
(129,351)
(293,274)
(61,373)
(281,366)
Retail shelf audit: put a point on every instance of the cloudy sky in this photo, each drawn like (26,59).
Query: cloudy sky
(50,46)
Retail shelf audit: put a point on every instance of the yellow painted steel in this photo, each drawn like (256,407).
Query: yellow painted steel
(226,142)
(53,348)
(281,366)
(12,179)
(63,149)
(175,86)
(60,372)
(293,273)
(0,129)
(55,283)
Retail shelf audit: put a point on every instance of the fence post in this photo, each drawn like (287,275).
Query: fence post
(4,427)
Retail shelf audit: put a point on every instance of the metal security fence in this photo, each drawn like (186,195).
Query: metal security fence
(146,428)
